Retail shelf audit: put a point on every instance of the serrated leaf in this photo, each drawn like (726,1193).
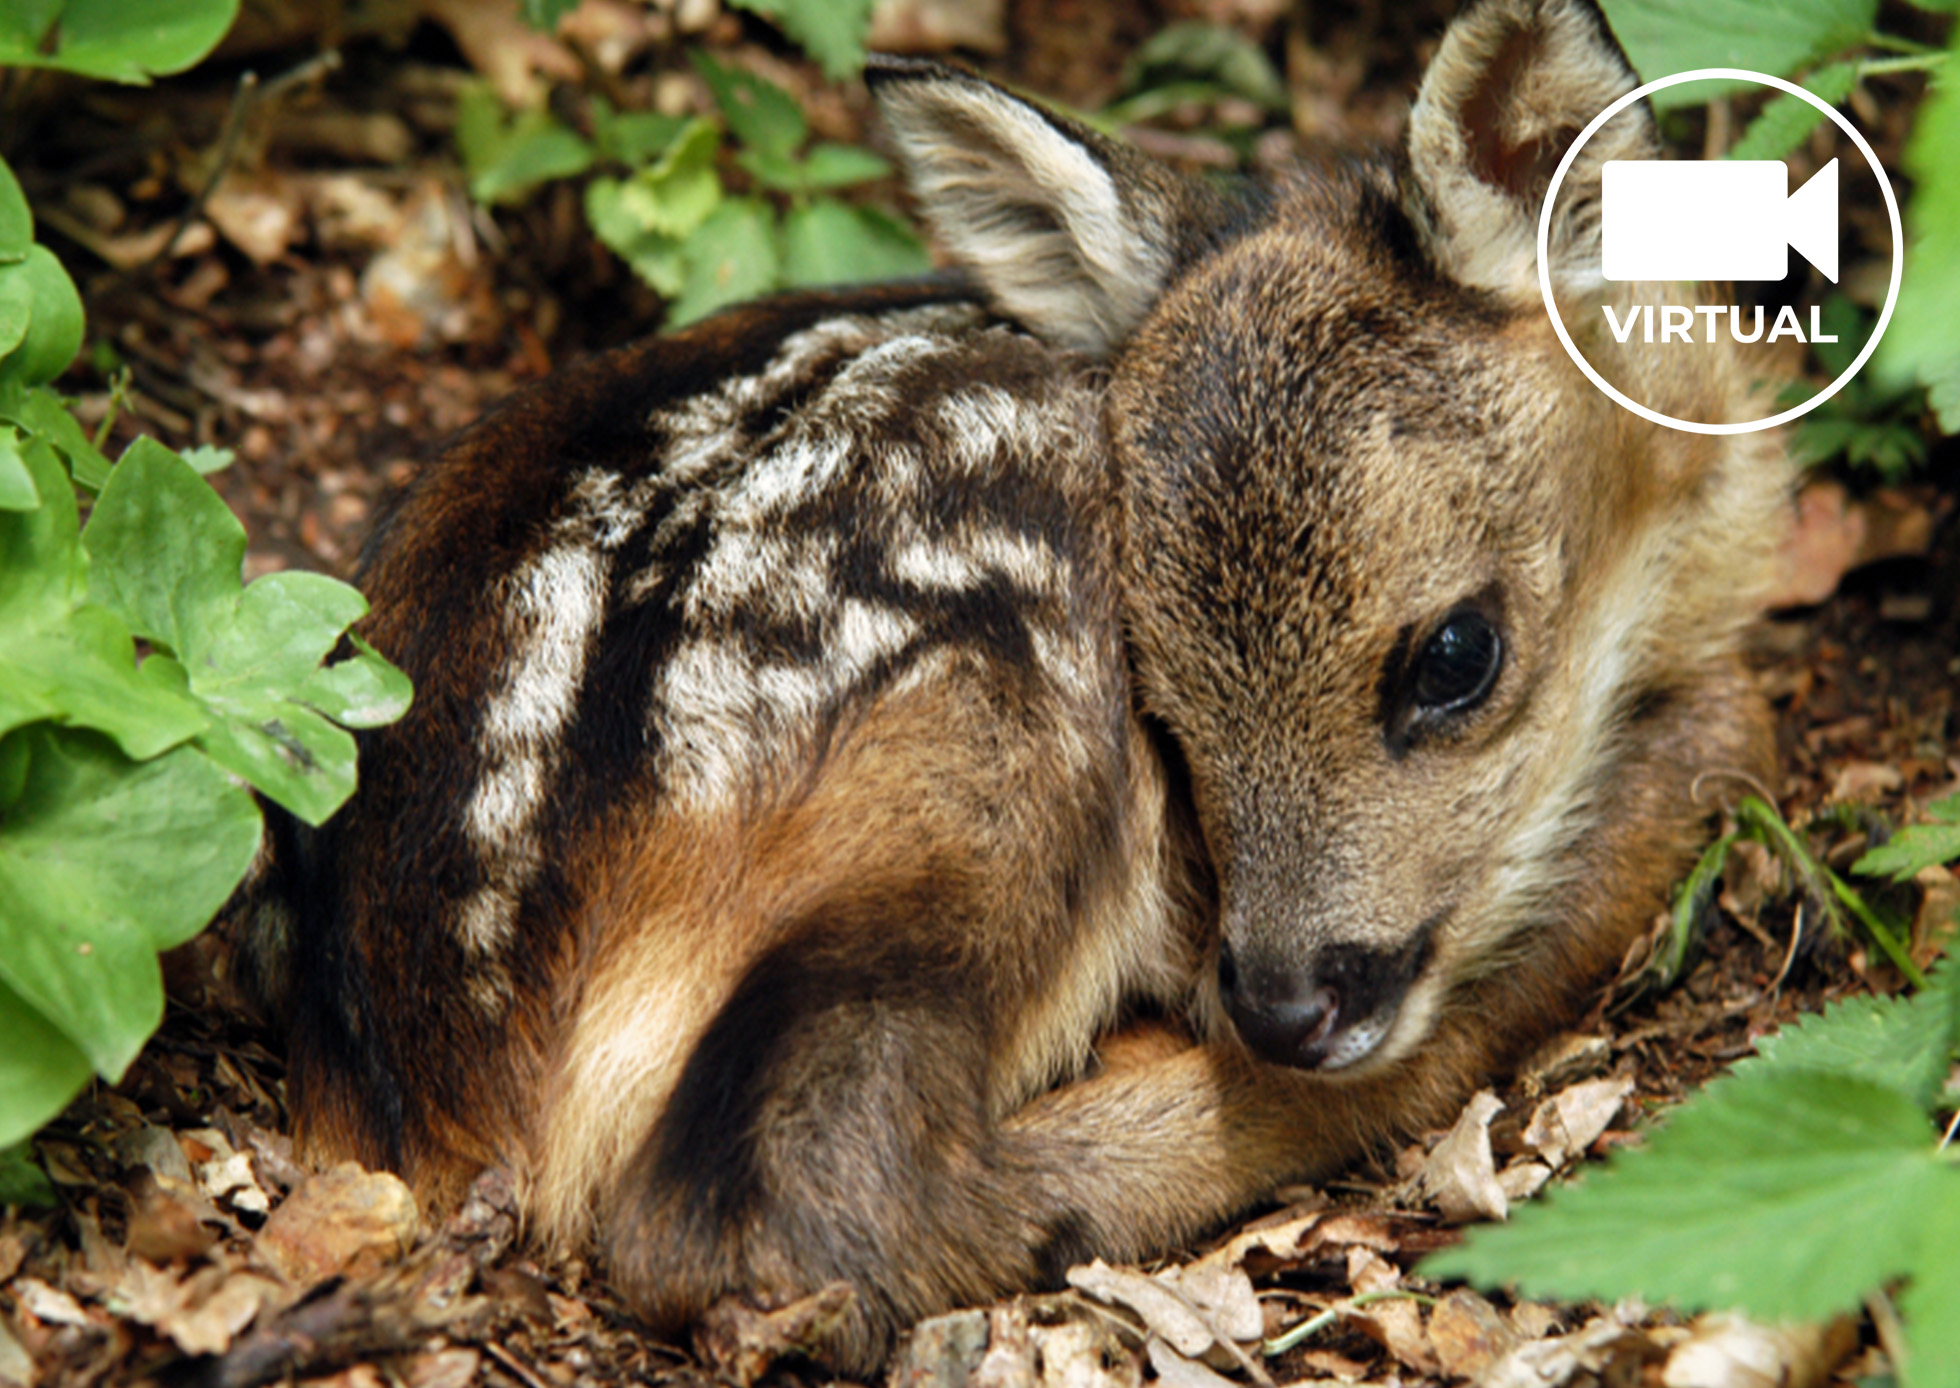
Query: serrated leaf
(1788,1195)
(17,491)
(103,862)
(729,258)
(509,154)
(1786,121)
(40,1069)
(829,242)
(116,40)
(165,555)
(1662,37)
(66,661)
(831,31)
(53,333)
(759,113)
(1923,340)
(1916,846)
(1930,1303)
(1900,1043)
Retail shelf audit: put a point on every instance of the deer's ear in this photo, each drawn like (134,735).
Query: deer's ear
(1511,87)
(1068,232)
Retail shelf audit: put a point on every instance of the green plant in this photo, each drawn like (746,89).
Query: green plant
(126,807)
(665,209)
(1809,1178)
(1835,45)
(1874,421)
(111,38)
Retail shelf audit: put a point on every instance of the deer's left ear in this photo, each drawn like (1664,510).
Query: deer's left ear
(1513,84)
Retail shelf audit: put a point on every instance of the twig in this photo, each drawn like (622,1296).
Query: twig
(1891,1334)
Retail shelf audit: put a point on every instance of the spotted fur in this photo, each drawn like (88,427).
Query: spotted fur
(834,719)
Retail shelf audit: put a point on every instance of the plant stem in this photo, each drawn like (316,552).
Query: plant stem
(1892,43)
(1894,951)
(1313,1325)
(1921,62)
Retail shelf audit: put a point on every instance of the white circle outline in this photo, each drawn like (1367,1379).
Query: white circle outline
(1545,268)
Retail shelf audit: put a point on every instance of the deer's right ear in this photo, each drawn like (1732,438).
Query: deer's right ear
(1068,232)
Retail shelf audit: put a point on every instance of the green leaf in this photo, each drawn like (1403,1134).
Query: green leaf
(831,31)
(166,556)
(1787,1194)
(731,257)
(22,1182)
(1219,58)
(1899,1043)
(205,460)
(827,166)
(509,155)
(634,137)
(830,242)
(53,332)
(103,862)
(1923,339)
(1930,1304)
(655,256)
(364,691)
(16,221)
(41,413)
(17,491)
(1786,121)
(1918,846)
(543,15)
(1662,37)
(66,661)
(759,113)
(40,1069)
(115,39)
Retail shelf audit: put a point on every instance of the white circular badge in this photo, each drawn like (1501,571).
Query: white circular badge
(1544,241)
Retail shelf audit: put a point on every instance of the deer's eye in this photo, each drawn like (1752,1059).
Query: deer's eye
(1459,664)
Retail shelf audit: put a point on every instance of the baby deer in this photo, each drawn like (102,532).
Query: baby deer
(1228,603)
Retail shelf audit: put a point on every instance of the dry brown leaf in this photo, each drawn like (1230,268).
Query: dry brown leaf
(1175,1371)
(257,212)
(740,1343)
(1395,1324)
(515,58)
(1468,1334)
(1608,1345)
(346,1220)
(443,1368)
(1160,1306)
(215,1306)
(49,1304)
(1858,782)
(943,1352)
(166,1220)
(1724,1350)
(1461,1174)
(1831,534)
(1222,1295)
(1564,1126)
(1009,1360)
(939,26)
(1084,1354)
(16,1366)
(1523,1179)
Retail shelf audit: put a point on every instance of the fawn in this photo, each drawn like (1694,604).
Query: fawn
(1223,602)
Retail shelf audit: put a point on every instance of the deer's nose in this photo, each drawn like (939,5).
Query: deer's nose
(1291,1019)
(1325,1011)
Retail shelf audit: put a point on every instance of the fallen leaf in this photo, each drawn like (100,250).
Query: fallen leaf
(1395,1324)
(1009,1360)
(740,1343)
(443,1368)
(1222,1295)
(166,1220)
(1175,1371)
(943,1352)
(1161,1308)
(49,1304)
(1724,1350)
(1564,1126)
(1523,1179)
(1082,1354)
(1831,534)
(1610,1347)
(343,1221)
(1461,1175)
(1858,782)
(1468,1334)
(15,1364)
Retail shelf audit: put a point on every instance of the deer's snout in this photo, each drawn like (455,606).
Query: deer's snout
(1327,1010)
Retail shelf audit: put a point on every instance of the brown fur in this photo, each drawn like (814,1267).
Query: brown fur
(834,719)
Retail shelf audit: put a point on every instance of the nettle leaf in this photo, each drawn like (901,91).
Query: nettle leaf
(509,154)
(40,1069)
(114,39)
(105,861)
(730,257)
(166,555)
(68,661)
(1899,1043)
(1662,37)
(37,287)
(1787,1194)
(831,31)
(830,242)
(1786,121)
(759,113)
(1917,846)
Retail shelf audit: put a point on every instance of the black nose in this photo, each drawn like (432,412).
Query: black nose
(1289,1019)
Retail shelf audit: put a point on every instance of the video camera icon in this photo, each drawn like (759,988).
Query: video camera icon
(1715,219)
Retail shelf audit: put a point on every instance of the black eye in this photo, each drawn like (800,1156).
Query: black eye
(1459,664)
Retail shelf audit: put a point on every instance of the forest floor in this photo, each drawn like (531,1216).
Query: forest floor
(341,307)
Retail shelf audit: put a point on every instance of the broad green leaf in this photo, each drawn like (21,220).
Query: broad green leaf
(1916,846)
(826,166)
(1786,121)
(22,1182)
(17,491)
(1900,1043)
(510,154)
(635,137)
(165,555)
(730,257)
(1931,1301)
(1789,1195)
(53,332)
(40,1069)
(1663,37)
(363,691)
(654,256)
(16,221)
(67,661)
(831,31)
(759,113)
(40,412)
(1220,58)
(1923,340)
(830,242)
(104,862)
(16,305)
(118,40)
